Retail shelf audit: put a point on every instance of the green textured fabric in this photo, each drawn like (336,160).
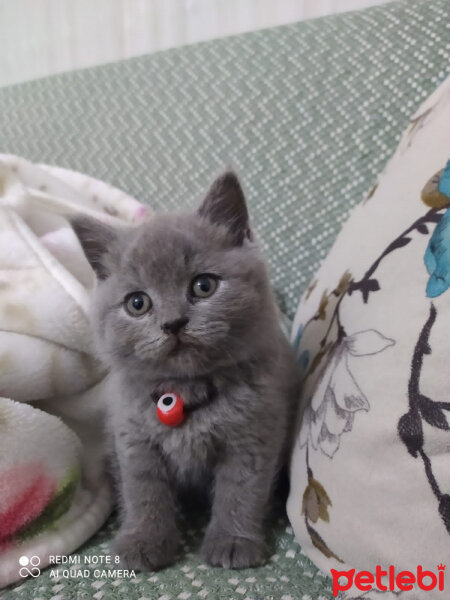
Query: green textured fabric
(289,575)
(308,114)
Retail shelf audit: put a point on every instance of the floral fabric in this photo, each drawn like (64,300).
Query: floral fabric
(370,471)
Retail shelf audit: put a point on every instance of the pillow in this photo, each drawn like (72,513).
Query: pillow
(370,470)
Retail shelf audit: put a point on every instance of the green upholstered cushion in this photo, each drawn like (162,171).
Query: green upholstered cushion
(307,113)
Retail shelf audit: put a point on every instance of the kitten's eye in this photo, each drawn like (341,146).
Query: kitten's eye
(204,286)
(137,304)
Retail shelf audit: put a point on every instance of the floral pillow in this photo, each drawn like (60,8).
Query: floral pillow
(370,471)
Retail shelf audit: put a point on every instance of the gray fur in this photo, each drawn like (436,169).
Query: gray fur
(234,370)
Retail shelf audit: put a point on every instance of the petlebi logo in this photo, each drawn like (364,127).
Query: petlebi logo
(389,579)
(29,566)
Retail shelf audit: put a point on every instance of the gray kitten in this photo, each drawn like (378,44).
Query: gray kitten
(183,306)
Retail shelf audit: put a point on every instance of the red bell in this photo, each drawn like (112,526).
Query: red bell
(169,410)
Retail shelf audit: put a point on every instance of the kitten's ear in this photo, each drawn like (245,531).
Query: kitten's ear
(97,240)
(225,205)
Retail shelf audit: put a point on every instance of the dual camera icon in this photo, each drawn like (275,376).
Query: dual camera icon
(29,566)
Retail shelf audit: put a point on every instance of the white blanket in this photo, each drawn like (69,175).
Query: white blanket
(54,493)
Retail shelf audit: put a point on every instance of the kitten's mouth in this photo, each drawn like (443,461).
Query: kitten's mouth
(177,345)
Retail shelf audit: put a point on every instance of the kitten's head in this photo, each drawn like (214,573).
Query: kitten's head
(179,294)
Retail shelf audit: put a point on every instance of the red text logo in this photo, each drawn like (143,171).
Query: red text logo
(388,580)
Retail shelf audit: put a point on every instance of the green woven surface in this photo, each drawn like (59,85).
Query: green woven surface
(288,575)
(307,113)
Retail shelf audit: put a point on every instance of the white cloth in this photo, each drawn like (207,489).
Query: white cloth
(54,493)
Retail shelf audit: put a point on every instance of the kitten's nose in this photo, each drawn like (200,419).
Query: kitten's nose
(174,326)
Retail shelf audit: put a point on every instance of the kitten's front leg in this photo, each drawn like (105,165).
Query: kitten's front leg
(148,538)
(235,537)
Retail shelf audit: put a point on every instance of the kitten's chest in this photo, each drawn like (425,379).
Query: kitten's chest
(190,453)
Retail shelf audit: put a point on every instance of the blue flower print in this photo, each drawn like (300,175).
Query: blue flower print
(437,255)
(444,183)
(298,337)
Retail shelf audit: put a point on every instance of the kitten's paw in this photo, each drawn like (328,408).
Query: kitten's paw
(232,552)
(150,553)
